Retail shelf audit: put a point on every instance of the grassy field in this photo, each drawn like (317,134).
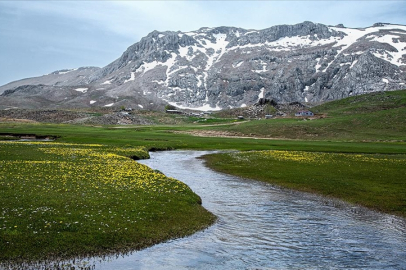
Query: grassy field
(53,204)
(60,200)
(166,137)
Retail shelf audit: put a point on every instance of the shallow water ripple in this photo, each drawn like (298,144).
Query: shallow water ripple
(263,227)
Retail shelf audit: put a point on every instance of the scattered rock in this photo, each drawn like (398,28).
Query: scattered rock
(73,117)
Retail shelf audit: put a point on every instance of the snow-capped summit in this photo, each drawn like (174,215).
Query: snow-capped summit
(214,68)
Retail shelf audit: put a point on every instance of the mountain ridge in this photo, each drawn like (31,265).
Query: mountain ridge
(228,67)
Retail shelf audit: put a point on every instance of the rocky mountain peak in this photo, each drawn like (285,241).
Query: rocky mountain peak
(223,67)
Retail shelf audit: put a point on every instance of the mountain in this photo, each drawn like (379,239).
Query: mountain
(227,67)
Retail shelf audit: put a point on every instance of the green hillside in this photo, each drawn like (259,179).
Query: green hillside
(371,117)
(365,104)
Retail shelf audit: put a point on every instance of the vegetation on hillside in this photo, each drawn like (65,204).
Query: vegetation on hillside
(372,117)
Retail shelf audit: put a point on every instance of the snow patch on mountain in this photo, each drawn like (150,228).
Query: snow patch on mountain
(395,41)
(107,82)
(145,67)
(204,108)
(83,90)
(132,78)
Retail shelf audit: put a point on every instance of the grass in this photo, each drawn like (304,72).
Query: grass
(163,138)
(61,200)
(373,117)
(53,203)
(357,152)
(376,181)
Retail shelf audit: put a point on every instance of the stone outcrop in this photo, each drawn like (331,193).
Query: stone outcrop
(228,67)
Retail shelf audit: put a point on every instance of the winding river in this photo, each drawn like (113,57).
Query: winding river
(264,227)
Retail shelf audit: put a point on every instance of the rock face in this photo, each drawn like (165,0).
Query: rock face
(223,67)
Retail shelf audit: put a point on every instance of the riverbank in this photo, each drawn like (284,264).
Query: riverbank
(261,226)
(65,200)
(375,181)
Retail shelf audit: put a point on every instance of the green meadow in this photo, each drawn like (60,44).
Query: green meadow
(60,200)
(84,194)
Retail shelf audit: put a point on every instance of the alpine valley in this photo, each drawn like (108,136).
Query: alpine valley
(228,67)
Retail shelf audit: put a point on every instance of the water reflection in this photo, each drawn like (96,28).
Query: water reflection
(263,227)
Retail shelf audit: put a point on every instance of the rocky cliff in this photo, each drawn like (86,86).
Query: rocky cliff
(223,67)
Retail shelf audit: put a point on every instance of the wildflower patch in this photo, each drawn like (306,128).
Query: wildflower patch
(67,199)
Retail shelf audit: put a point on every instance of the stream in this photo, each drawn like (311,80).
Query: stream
(264,227)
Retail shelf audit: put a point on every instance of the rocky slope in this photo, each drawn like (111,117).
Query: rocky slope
(227,67)
(74,117)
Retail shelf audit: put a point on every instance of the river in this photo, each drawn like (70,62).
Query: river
(264,227)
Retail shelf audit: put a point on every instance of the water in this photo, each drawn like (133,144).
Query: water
(263,227)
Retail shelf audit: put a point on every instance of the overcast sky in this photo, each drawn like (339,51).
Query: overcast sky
(39,37)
